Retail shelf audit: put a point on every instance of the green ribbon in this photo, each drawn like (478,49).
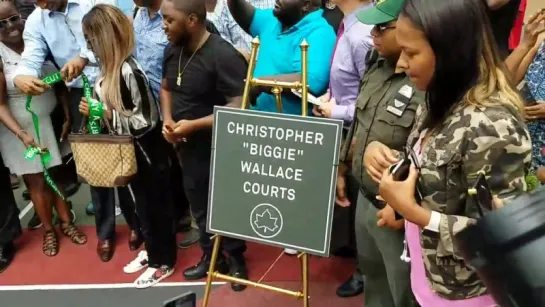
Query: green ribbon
(45,156)
(96,111)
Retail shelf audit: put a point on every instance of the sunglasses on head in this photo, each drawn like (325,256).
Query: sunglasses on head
(4,23)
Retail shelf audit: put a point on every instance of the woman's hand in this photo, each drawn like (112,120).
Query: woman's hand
(84,106)
(30,85)
(400,196)
(534,27)
(535,111)
(377,158)
(27,139)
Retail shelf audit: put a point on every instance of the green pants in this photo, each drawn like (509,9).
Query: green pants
(387,279)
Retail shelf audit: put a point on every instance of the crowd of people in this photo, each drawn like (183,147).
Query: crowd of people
(435,82)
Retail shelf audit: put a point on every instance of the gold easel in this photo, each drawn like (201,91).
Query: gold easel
(276,89)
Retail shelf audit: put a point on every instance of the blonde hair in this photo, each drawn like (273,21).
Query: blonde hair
(494,79)
(111,36)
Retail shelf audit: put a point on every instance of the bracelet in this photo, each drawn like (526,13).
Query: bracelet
(19,132)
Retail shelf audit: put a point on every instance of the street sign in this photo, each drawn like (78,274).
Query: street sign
(272,178)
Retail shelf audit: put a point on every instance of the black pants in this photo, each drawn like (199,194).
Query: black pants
(179,199)
(153,199)
(10,226)
(195,159)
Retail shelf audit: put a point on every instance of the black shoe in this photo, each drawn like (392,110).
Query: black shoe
(238,269)
(351,287)
(34,222)
(7,252)
(200,270)
(190,238)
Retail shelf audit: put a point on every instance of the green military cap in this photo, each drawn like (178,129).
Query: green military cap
(382,12)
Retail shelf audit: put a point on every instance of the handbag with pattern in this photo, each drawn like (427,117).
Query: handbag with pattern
(103,160)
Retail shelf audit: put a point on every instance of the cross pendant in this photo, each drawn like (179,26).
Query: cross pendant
(179,81)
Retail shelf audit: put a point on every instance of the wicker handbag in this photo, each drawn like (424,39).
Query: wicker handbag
(103,160)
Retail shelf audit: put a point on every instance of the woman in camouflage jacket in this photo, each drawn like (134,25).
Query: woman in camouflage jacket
(473,123)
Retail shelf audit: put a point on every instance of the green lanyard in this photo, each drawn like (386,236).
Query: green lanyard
(96,110)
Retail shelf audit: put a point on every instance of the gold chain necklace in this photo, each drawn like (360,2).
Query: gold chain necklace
(180,73)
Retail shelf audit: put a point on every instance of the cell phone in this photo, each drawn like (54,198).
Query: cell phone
(400,170)
(185,300)
(482,194)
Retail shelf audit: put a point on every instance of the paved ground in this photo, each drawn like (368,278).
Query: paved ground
(76,278)
(119,297)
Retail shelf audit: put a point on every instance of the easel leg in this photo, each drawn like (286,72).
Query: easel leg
(304,271)
(208,288)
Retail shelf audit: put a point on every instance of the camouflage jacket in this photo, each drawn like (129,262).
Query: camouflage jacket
(494,140)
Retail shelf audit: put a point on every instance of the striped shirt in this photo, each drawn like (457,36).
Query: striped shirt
(231,31)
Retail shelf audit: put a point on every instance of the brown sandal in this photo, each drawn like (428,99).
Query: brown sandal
(50,246)
(71,231)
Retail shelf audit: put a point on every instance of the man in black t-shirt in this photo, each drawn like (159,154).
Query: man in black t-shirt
(200,70)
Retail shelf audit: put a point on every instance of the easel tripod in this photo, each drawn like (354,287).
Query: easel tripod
(276,88)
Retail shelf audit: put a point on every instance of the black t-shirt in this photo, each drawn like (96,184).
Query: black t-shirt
(502,21)
(215,72)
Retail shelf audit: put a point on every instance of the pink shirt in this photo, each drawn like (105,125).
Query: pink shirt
(421,289)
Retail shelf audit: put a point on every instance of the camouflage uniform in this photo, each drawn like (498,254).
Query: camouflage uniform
(380,116)
(491,139)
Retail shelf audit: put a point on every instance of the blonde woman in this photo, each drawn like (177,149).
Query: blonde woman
(473,123)
(129,105)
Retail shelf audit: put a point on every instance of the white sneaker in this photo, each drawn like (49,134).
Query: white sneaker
(153,276)
(290,251)
(138,264)
(117,211)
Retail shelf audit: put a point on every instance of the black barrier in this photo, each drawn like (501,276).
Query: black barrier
(507,249)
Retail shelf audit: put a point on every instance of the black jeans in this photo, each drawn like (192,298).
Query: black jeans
(10,226)
(195,158)
(179,199)
(153,199)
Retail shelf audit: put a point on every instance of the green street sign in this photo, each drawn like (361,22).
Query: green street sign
(272,178)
